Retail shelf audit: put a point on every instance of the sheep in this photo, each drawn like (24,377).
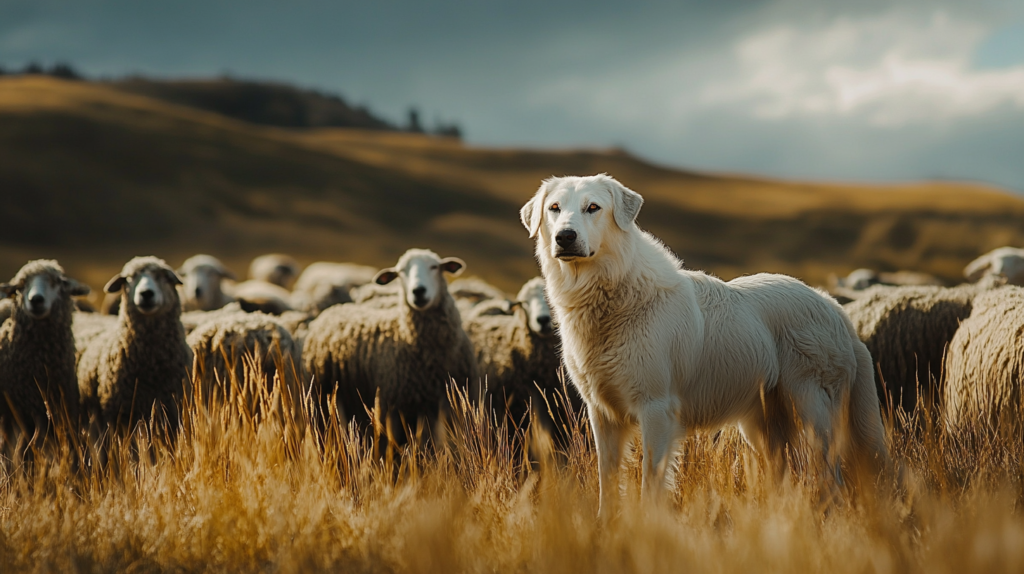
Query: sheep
(37,349)
(202,289)
(985,363)
(88,326)
(406,353)
(223,345)
(143,363)
(470,291)
(323,284)
(517,353)
(1004,262)
(907,330)
(257,295)
(846,289)
(276,268)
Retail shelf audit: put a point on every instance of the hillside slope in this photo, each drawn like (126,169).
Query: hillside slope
(93,175)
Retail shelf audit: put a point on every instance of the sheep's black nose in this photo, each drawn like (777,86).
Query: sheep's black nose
(147,294)
(199,292)
(37,300)
(544,321)
(419,292)
(565,238)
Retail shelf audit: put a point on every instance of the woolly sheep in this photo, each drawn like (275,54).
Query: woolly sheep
(407,353)
(846,289)
(86,327)
(1004,262)
(907,330)
(256,295)
(323,284)
(142,364)
(202,289)
(517,352)
(223,345)
(275,268)
(37,349)
(470,291)
(985,363)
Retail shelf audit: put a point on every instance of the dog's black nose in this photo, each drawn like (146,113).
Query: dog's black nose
(147,294)
(36,300)
(565,238)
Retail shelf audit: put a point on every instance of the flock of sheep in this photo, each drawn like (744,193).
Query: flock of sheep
(353,334)
(398,336)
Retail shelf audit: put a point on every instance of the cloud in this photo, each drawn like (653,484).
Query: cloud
(891,69)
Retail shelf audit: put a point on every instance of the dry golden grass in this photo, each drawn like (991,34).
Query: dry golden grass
(261,489)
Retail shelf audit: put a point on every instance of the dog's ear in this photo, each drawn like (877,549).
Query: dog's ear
(115,284)
(385,276)
(74,288)
(452,265)
(627,204)
(532,212)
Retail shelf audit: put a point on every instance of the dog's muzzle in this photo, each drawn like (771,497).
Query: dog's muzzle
(567,247)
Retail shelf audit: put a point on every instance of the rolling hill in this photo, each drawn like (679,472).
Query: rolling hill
(92,174)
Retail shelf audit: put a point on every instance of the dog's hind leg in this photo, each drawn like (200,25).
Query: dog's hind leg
(609,437)
(659,430)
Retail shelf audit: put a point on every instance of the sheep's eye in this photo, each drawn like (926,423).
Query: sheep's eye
(593,207)
(554,207)
(433,267)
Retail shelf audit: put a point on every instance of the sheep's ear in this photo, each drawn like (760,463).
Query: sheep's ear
(627,204)
(452,265)
(513,304)
(8,289)
(173,278)
(385,276)
(227,273)
(74,288)
(115,284)
(532,212)
(975,269)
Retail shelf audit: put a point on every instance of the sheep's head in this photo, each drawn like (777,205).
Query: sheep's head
(275,268)
(147,285)
(40,284)
(533,301)
(421,272)
(202,276)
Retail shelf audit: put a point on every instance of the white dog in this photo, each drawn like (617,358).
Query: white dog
(648,343)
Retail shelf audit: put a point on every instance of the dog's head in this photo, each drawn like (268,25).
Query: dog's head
(572,217)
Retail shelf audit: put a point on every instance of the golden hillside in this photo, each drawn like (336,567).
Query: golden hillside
(92,176)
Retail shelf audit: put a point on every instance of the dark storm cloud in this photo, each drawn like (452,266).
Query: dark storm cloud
(787,87)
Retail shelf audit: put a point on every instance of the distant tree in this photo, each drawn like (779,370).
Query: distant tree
(32,68)
(414,124)
(2,71)
(448,130)
(64,70)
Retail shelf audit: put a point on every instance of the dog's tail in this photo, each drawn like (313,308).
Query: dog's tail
(870,455)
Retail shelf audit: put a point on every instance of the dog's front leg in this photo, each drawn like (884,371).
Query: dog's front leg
(609,436)
(659,429)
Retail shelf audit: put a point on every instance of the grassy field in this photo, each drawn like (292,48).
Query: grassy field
(93,175)
(255,487)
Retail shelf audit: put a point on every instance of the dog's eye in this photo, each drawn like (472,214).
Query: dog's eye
(554,207)
(593,207)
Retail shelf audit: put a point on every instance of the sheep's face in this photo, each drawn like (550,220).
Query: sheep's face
(422,277)
(535,304)
(39,292)
(575,216)
(150,290)
(202,276)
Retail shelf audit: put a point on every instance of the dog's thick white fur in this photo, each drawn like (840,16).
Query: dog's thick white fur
(650,344)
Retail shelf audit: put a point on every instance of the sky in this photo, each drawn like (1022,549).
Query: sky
(824,90)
